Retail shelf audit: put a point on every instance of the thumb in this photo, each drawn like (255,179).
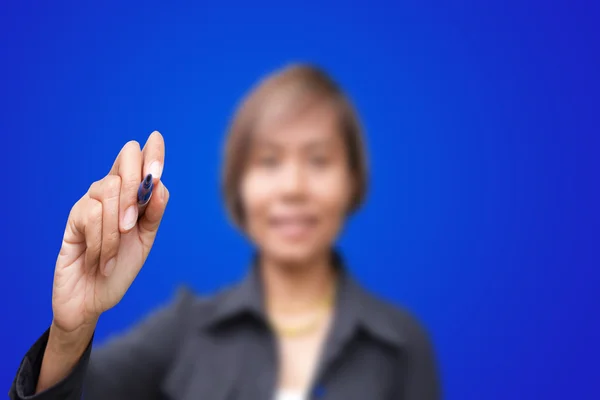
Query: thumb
(150,220)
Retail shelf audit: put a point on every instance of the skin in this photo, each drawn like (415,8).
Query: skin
(86,281)
(295,193)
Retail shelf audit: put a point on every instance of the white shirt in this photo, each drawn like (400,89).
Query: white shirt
(285,394)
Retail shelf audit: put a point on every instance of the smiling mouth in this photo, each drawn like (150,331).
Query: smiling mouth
(293,227)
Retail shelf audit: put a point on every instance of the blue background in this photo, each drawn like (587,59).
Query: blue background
(482,125)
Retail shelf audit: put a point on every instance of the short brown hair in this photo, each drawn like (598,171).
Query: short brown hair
(293,88)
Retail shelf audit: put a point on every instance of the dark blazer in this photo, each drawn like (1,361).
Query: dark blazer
(221,348)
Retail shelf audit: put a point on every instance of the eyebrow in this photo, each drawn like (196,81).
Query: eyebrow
(316,143)
(328,142)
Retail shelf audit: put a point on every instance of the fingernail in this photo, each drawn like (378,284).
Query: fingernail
(110,265)
(155,169)
(130,217)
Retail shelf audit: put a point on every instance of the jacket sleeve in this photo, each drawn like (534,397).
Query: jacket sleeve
(128,366)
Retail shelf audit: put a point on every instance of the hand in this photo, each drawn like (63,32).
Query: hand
(106,242)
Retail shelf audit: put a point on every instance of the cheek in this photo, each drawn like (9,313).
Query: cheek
(333,194)
(255,194)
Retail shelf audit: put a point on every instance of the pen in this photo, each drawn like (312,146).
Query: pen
(144,193)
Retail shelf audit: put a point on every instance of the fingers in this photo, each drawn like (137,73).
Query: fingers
(75,229)
(153,155)
(93,234)
(128,166)
(107,192)
(150,221)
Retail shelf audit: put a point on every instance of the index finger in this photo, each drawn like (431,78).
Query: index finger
(128,166)
(153,155)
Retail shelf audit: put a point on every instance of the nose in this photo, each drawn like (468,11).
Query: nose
(293,181)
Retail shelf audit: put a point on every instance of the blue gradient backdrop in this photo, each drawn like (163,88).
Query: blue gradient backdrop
(482,124)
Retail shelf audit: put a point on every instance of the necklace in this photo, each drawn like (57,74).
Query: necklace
(324,305)
(301,330)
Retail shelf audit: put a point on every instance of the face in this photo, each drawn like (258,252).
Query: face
(297,186)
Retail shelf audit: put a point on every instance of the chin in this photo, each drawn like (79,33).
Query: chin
(293,254)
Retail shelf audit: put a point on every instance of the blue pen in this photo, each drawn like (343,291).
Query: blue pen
(144,193)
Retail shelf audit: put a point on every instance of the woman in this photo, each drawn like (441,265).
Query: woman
(297,327)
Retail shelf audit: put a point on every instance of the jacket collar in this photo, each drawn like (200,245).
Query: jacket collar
(356,309)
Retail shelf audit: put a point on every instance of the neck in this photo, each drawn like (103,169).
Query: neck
(298,285)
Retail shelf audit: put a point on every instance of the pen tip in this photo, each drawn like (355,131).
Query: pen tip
(147,183)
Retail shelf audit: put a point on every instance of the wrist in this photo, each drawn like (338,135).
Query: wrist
(70,341)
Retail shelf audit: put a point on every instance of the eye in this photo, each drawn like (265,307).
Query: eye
(319,160)
(267,160)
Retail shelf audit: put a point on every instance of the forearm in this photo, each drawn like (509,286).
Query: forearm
(63,352)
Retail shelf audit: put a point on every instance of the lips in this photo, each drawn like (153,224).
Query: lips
(293,227)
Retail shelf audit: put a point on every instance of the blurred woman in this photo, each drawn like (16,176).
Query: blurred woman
(298,326)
